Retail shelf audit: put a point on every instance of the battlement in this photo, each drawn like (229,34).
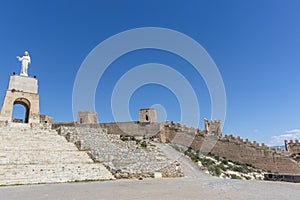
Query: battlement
(293,147)
(171,126)
(87,117)
(213,128)
(247,143)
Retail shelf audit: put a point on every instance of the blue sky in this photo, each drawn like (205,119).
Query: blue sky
(255,44)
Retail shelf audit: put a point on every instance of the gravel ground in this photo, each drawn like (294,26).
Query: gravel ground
(179,188)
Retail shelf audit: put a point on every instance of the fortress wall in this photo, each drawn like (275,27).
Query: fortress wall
(235,149)
(132,128)
(293,147)
(230,147)
(118,128)
(260,157)
(56,125)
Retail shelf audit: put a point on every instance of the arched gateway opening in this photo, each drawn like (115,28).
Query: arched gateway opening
(21,110)
(22,94)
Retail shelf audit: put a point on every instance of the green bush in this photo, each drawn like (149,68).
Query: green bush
(193,156)
(144,144)
(233,176)
(241,169)
(222,167)
(127,138)
(214,170)
(224,162)
(207,162)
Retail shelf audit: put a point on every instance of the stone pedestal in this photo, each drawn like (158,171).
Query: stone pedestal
(21,90)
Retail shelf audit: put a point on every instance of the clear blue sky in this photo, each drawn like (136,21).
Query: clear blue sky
(255,44)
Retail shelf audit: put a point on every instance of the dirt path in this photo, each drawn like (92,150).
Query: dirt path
(190,169)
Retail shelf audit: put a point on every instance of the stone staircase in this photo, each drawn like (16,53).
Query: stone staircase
(124,158)
(32,156)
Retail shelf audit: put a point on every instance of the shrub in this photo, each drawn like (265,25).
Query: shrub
(222,167)
(241,169)
(233,176)
(193,156)
(224,162)
(217,157)
(144,144)
(214,170)
(127,138)
(207,162)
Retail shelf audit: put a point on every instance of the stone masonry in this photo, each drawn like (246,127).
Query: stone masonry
(32,156)
(147,115)
(87,117)
(213,128)
(21,90)
(232,148)
(293,148)
(126,157)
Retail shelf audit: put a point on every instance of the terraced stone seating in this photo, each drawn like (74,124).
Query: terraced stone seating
(31,156)
(125,159)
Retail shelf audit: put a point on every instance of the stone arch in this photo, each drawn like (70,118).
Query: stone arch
(21,90)
(26,103)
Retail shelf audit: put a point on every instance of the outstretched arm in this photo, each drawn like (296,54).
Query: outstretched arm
(19,58)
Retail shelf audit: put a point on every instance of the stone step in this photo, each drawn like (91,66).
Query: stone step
(43,157)
(34,139)
(27,133)
(20,134)
(29,156)
(38,147)
(33,174)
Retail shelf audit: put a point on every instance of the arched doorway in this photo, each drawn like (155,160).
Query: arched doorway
(21,105)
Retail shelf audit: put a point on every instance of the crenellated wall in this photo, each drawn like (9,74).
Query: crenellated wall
(293,147)
(228,146)
(232,148)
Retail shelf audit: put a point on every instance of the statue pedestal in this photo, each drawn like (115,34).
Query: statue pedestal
(21,90)
(23,83)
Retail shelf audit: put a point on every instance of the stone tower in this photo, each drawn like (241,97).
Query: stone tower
(21,90)
(147,115)
(293,148)
(213,128)
(87,117)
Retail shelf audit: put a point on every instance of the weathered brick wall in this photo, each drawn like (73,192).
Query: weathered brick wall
(293,147)
(235,149)
(132,128)
(232,148)
(118,128)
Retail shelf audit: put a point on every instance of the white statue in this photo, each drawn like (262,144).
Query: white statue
(25,62)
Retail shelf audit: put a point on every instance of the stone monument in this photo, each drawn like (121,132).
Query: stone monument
(25,62)
(22,90)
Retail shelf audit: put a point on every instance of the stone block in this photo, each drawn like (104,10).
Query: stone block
(157,175)
(23,84)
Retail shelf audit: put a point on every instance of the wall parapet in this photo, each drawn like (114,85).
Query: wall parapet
(293,147)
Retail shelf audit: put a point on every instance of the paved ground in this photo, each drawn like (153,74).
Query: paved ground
(196,185)
(175,189)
